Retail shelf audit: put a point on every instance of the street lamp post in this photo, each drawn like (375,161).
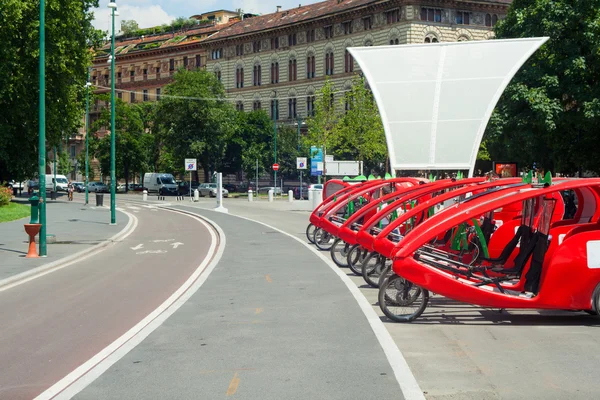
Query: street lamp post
(275,140)
(113,217)
(87,134)
(42,129)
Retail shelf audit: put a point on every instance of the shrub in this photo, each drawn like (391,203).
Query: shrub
(5,196)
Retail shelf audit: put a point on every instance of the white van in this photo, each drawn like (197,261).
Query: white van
(163,184)
(62,183)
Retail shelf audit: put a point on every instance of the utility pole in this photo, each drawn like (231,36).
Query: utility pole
(87,134)
(113,180)
(275,139)
(42,129)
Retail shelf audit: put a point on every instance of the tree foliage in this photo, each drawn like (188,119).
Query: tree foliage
(194,120)
(550,113)
(69,36)
(128,26)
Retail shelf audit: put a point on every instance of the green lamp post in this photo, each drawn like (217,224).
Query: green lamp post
(113,182)
(42,129)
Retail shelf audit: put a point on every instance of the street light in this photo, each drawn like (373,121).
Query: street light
(87,134)
(42,129)
(113,216)
(275,137)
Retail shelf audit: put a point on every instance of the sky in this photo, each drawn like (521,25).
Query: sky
(149,13)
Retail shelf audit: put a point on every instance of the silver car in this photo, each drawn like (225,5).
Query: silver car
(210,189)
(97,187)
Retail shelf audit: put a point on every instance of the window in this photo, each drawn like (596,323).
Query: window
(158,94)
(172,64)
(218,75)
(292,70)
(256,76)
(132,97)
(275,109)
(145,73)
(292,108)
(367,24)
(145,92)
(392,16)
(431,15)
(310,36)
(462,18)
(348,62)
(185,62)
(431,40)
(239,77)
(120,95)
(72,151)
(310,106)
(347,27)
(329,63)
(275,72)
(256,105)
(119,77)
(157,70)
(292,39)
(256,46)
(239,106)
(131,74)
(217,54)
(239,50)
(328,32)
(106,79)
(494,20)
(198,61)
(310,67)
(394,41)
(274,43)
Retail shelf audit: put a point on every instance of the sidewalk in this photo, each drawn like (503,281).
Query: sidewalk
(74,226)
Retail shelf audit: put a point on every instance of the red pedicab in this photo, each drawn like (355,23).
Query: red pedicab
(548,272)
(326,219)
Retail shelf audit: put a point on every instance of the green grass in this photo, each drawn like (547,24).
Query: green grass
(14,211)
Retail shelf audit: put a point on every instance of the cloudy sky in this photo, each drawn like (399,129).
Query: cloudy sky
(148,13)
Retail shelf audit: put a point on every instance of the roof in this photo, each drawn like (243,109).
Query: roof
(306,13)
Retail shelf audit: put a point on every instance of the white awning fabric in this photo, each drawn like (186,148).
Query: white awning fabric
(435,99)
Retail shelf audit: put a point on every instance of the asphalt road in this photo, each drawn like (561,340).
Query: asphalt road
(272,321)
(51,325)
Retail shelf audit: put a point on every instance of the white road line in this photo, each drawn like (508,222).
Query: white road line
(407,381)
(89,371)
(38,272)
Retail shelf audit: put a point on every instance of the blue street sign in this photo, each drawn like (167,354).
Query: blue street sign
(316,161)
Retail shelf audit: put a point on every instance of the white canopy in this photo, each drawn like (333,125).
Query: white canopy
(435,99)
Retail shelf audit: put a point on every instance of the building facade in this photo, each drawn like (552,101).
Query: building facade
(279,61)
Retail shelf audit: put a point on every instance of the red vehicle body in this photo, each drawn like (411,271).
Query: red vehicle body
(562,270)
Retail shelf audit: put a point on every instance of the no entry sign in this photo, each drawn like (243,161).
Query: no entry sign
(275,167)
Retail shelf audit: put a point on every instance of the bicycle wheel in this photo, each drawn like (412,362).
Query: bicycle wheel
(323,239)
(339,252)
(401,300)
(310,232)
(353,258)
(373,277)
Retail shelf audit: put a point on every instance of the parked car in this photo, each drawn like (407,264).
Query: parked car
(121,188)
(79,187)
(163,184)
(304,193)
(210,189)
(97,187)
(138,187)
(316,186)
(230,187)
(265,189)
(183,188)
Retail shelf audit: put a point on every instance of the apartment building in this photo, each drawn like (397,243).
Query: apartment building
(279,61)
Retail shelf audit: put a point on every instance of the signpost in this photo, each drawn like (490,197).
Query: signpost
(316,161)
(301,163)
(190,165)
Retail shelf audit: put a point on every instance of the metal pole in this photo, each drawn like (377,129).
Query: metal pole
(257,179)
(42,129)
(275,141)
(113,180)
(87,134)
(54,181)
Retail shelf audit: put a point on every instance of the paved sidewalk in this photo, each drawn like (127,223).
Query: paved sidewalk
(76,227)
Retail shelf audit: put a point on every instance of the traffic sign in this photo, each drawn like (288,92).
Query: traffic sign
(275,167)
(190,164)
(301,162)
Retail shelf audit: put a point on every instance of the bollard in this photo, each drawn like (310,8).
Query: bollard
(290,196)
(311,193)
(270,195)
(317,198)
(145,195)
(220,206)
(196,195)
(250,195)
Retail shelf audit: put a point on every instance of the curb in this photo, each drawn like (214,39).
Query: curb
(65,261)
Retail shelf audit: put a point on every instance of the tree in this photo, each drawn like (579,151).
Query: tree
(550,113)
(254,135)
(195,119)
(359,133)
(322,125)
(64,166)
(129,26)
(69,36)
(130,153)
